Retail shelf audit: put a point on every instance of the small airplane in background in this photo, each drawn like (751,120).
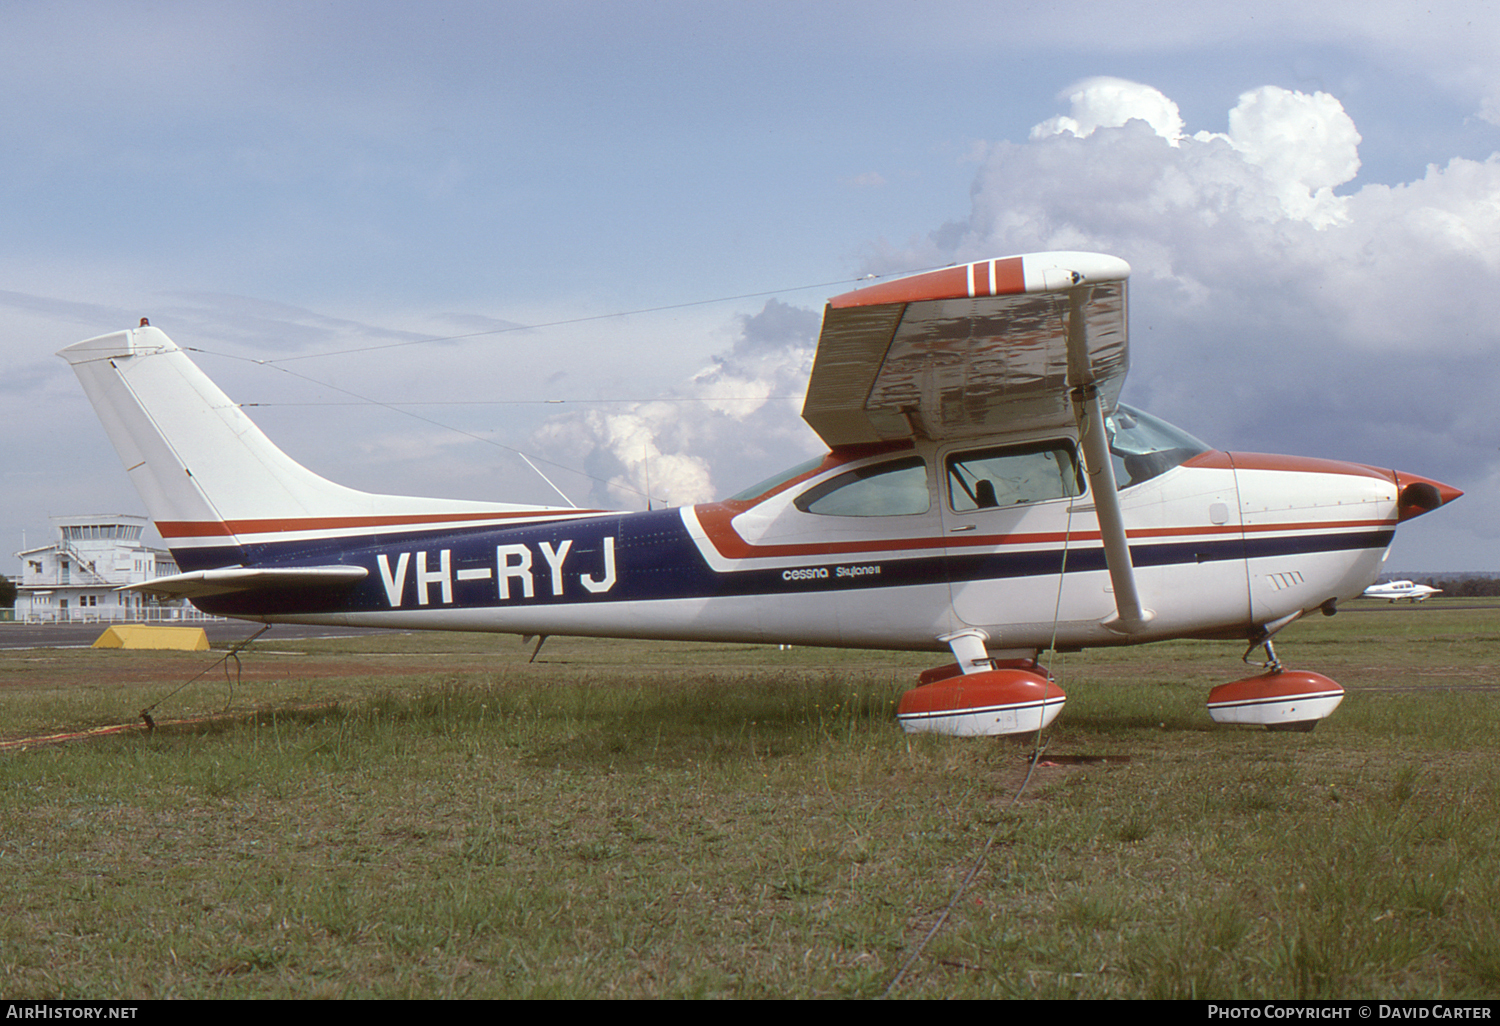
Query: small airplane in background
(1394,591)
(984,493)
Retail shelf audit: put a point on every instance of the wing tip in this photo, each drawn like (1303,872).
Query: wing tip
(999,276)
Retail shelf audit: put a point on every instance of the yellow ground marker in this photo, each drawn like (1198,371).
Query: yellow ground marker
(142,635)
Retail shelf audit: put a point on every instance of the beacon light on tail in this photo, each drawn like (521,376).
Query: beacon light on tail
(984,493)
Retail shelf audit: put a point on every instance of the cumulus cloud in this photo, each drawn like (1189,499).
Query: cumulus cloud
(740,411)
(1304,145)
(1276,303)
(1103,102)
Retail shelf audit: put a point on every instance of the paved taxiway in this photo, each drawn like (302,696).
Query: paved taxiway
(220,633)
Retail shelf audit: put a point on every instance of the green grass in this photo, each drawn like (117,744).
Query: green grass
(429,816)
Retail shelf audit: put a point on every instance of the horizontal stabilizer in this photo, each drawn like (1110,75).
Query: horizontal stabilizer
(202,583)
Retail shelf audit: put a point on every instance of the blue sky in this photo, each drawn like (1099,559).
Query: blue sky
(1316,274)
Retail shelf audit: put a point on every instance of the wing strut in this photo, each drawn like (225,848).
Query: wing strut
(1088,409)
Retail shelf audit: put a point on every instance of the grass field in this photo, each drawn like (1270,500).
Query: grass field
(429,816)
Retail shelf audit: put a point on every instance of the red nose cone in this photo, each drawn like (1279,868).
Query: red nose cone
(1418,495)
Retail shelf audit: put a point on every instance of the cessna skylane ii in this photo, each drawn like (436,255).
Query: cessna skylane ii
(985,492)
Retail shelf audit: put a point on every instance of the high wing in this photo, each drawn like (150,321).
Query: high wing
(1022,343)
(225,580)
(973,350)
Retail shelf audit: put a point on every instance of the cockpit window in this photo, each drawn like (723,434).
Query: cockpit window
(897,488)
(770,484)
(1013,474)
(1143,446)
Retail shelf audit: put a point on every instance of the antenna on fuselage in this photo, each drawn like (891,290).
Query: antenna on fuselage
(544,477)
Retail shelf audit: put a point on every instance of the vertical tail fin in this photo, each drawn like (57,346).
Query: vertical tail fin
(209,477)
(192,453)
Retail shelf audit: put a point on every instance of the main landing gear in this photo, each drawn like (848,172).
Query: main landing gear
(984,695)
(1279,699)
(980,694)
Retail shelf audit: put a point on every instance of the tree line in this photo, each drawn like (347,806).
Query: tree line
(1465,587)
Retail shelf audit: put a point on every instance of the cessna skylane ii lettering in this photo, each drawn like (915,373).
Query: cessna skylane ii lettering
(985,492)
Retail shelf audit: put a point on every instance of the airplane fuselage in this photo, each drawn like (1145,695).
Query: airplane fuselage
(1221,543)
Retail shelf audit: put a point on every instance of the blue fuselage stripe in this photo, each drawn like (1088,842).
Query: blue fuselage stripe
(651,556)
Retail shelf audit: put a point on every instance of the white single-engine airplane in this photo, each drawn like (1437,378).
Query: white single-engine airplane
(985,492)
(1394,591)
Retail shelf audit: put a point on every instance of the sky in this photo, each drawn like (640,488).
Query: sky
(417,240)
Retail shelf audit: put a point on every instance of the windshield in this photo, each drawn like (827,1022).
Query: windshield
(1143,446)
